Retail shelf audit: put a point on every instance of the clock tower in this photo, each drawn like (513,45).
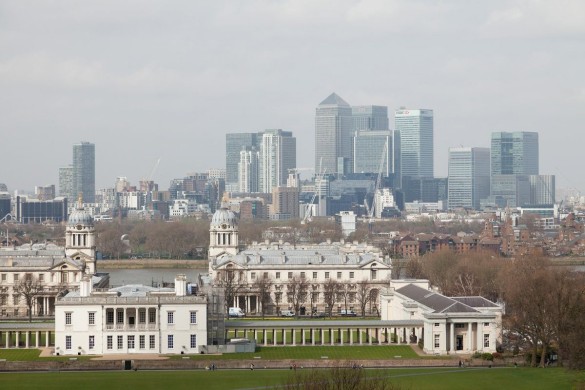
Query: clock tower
(80,238)
(223,233)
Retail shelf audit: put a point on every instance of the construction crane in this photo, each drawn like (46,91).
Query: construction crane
(318,179)
(370,210)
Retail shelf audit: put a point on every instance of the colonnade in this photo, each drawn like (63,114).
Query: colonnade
(24,338)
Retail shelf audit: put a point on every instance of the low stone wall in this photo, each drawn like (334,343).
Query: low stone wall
(189,364)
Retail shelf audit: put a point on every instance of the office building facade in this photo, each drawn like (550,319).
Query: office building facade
(514,153)
(234,143)
(66,182)
(416,142)
(542,189)
(333,135)
(469,176)
(370,148)
(369,118)
(84,171)
(248,169)
(278,154)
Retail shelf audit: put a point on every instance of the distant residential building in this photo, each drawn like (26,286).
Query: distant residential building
(216,173)
(333,135)
(369,118)
(469,176)
(45,192)
(278,154)
(84,170)
(66,182)
(383,199)
(249,170)
(122,184)
(285,203)
(368,147)
(416,141)
(347,220)
(131,200)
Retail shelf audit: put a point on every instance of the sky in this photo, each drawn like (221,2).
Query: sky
(147,79)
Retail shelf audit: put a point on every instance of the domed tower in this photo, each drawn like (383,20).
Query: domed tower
(223,232)
(80,238)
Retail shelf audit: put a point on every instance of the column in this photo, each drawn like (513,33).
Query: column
(255,331)
(360,336)
(27,339)
(264,336)
(370,336)
(273,336)
(47,338)
(303,335)
(331,336)
(469,336)
(350,336)
(8,335)
(378,336)
(284,337)
(37,338)
(294,337)
(341,335)
(479,338)
(452,337)
(313,336)
(322,338)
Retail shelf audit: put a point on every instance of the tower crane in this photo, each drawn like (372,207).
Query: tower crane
(318,179)
(370,210)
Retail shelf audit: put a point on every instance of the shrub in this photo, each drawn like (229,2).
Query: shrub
(496,355)
(487,356)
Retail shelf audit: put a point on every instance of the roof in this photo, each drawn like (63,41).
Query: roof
(334,99)
(434,301)
(476,301)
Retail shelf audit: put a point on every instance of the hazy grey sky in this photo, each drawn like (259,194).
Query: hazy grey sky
(167,79)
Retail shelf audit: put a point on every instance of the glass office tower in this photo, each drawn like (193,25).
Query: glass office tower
(416,142)
(83,180)
(514,153)
(333,135)
(469,176)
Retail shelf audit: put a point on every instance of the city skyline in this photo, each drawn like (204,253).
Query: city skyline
(481,68)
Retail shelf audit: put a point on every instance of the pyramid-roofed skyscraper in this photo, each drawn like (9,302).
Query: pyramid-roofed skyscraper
(333,134)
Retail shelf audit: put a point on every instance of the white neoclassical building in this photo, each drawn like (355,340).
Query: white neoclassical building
(58,269)
(130,319)
(450,324)
(346,263)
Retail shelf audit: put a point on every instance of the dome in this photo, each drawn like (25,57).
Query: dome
(223,216)
(80,217)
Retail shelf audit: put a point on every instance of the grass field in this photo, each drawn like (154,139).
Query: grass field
(27,355)
(452,379)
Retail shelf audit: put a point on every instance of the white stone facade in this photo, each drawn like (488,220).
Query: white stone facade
(131,319)
(451,325)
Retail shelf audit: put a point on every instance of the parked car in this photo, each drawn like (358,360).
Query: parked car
(348,313)
(287,313)
(319,314)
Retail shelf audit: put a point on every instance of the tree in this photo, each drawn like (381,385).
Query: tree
(28,289)
(263,285)
(229,282)
(330,288)
(345,288)
(363,295)
(109,240)
(414,269)
(297,288)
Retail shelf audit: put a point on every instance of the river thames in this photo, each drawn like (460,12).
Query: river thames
(150,276)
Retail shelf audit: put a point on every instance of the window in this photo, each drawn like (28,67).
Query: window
(486,324)
(152,316)
(486,340)
(314,275)
(130,342)
(351,275)
(110,342)
(91,342)
(437,341)
(91,318)
(67,342)
(459,326)
(290,275)
(142,341)
(41,277)
(170,317)
(3,277)
(265,275)
(120,316)
(120,342)
(193,340)
(152,341)
(437,324)
(374,274)
(193,317)
(170,342)
(15,277)
(302,275)
(68,318)
(339,275)
(142,316)
(326,275)
(253,275)
(278,275)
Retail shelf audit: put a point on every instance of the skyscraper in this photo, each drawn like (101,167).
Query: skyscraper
(333,135)
(249,170)
(368,146)
(278,154)
(234,143)
(369,117)
(416,142)
(514,153)
(469,176)
(84,171)
(66,182)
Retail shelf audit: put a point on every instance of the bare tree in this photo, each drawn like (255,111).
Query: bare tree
(313,297)
(109,240)
(414,269)
(28,288)
(297,288)
(330,288)
(229,282)
(345,288)
(263,285)
(363,295)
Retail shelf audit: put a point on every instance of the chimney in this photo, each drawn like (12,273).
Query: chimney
(181,285)
(85,286)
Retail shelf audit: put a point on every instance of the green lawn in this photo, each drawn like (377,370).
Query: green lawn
(364,352)
(26,355)
(452,379)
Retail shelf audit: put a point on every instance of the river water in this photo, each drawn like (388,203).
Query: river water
(150,276)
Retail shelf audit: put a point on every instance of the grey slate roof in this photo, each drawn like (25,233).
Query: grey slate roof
(435,301)
(476,301)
